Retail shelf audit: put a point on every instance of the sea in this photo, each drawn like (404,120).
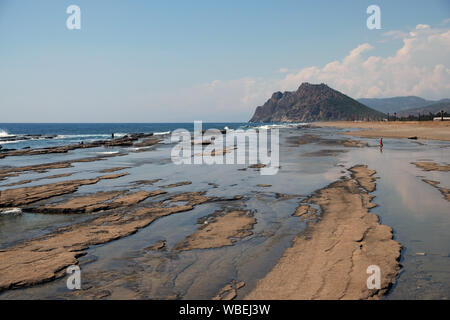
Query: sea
(45,135)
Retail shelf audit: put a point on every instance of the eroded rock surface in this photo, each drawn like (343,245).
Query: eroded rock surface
(109,170)
(218,230)
(23,196)
(445,192)
(229,292)
(96,202)
(329,261)
(177,184)
(32,180)
(45,258)
(431,166)
(44,167)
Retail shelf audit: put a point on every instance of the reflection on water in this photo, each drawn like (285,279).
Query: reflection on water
(418,213)
(17,227)
(124,268)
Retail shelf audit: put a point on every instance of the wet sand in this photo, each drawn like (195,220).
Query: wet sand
(45,258)
(427,130)
(238,227)
(330,260)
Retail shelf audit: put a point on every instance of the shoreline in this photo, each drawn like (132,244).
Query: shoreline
(128,202)
(426,130)
(329,261)
(129,140)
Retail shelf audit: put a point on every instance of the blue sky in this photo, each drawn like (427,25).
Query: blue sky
(164,61)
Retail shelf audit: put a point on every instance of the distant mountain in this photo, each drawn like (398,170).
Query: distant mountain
(395,104)
(312,102)
(434,108)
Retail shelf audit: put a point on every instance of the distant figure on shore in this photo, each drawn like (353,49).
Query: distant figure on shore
(112,135)
(381,142)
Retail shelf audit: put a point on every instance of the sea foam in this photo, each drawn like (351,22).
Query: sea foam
(4,133)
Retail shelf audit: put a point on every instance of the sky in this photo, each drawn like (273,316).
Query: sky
(216,61)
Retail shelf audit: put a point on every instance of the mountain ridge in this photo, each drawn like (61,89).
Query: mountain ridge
(398,104)
(443,104)
(395,104)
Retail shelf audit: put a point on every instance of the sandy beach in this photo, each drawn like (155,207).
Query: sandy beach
(426,130)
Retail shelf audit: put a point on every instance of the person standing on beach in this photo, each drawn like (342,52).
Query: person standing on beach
(112,135)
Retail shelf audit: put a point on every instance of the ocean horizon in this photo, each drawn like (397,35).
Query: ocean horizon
(43,135)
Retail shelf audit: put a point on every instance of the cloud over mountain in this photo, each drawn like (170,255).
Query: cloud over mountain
(421,67)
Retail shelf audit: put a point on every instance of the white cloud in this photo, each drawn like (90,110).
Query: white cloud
(420,67)
(422,26)
(284,70)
